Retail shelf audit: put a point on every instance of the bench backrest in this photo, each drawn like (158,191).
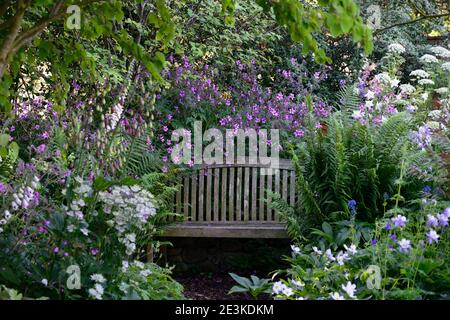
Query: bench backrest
(234,193)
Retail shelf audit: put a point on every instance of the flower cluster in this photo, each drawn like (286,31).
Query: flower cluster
(97,291)
(131,207)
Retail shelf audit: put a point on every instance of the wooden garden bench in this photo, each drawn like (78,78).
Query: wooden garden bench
(227,201)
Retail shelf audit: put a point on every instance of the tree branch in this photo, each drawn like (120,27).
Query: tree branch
(411,22)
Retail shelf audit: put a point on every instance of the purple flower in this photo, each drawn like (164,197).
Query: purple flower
(36,198)
(374,242)
(399,221)
(432,236)
(342,83)
(432,221)
(56,250)
(66,254)
(299,133)
(94,251)
(45,135)
(443,219)
(352,204)
(393,237)
(41,149)
(2,188)
(387,226)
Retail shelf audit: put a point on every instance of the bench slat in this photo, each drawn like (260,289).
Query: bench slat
(269,198)
(246,193)
(292,191)
(208,193)
(231,196)
(186,198)
(216,193)
(254,209)
(239,194)
(224,201)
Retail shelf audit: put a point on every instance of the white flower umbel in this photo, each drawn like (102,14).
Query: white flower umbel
(396,48)
(419,73)
(407,88)
(428,59)
(131,207)
(278,287)
(445,66)
(424,82)
(440,52)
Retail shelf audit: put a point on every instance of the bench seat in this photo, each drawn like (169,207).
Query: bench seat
(248,229)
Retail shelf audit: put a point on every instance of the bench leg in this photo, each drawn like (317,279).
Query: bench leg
(150,253)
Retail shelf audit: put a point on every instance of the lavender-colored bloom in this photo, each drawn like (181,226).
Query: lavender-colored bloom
(374,242)
(56,250)
(41,149)
(387,226)
(94,251)
(405,245)
(342,83)
(432,221)
(399,221)
(351,204)
(432,236)
(2,188)
(393,237)
(442,219)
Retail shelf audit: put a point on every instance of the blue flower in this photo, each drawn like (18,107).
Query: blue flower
(426,189)
(352,206)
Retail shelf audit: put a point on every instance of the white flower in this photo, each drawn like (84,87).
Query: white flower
(396,48)
(424,82)
(97,277)
(428,58)
(394,83)
(97,291)
(298,283)
(125,266)
(405,245)
(70,228)
(442,90)
(317,251)
(341,258)
(301,298)
(2,222)
(351,249)
(370,95)
(407,88)
(350,289)
(124,287)
(383,77)
(440,52)
(145,273)
(329,255)
(369,103)
(295,249)
(278,287)
(445,66)
(336,296)
(7,215)
(1,230)
(44,282)
(288,291)
(84,231)
(419,73)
